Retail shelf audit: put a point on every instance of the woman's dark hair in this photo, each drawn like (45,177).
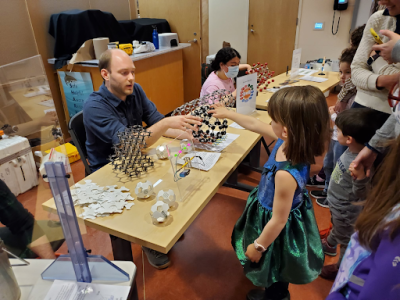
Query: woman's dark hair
(347,55)
(356,36)
(223,56)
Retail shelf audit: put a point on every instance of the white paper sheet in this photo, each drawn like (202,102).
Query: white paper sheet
(307,72)
(314,79)
(48,103)
(246,87)
(294,72)
(209,160)
(275,89)
(236,125)
(67,290)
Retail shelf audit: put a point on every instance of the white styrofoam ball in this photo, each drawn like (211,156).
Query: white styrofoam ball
(159,211)
(162,152)
(167,197)
(186,146)
(144,189)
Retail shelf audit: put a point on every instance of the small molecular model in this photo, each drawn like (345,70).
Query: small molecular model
(162,152)
(128,157)
(159,212)
(144,189)
(212,130)
(264,75)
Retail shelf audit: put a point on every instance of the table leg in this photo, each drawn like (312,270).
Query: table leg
(232,182)
(133,293)
(122,250)
(252,160)
(267,146)
(254,155)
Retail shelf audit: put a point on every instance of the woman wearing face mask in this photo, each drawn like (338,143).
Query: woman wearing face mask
(225,66)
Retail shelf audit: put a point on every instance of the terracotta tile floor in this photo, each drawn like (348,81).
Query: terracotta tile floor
(204,265)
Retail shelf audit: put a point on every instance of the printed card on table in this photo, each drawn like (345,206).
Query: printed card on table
(246,89)
(294,72)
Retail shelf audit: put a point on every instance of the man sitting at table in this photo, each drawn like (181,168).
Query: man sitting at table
(120,103)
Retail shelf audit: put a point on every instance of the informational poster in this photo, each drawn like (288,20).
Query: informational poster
(246,93)
(295,63)
(77,87)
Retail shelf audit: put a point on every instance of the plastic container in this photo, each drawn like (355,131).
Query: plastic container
(155,37)
(17,166)
(9,289)
(72,152)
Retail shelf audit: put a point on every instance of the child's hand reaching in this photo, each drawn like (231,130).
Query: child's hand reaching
(357,173)
(253,254)
(331,110)
(340,106)
(219,111)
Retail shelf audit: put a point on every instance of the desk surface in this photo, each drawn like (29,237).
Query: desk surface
(136,225)
(33,108)
(135,57)
(30,281)
(31,105)
(263,97)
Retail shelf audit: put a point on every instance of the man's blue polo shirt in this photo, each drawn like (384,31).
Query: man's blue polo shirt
(104,115)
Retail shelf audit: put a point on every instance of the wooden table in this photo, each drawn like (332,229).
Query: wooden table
(31,105)
(33,287)
(33,108)
(263,97)
(135,225)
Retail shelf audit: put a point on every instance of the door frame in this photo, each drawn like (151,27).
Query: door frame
(296,41)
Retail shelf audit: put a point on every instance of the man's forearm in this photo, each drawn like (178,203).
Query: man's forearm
(157,130)
(176,133)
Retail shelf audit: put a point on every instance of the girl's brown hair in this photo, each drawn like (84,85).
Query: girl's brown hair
(304,112)
(383,197)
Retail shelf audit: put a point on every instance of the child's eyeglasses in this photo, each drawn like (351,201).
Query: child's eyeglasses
(393,97)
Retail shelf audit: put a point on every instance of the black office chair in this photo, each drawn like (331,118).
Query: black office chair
(76,129)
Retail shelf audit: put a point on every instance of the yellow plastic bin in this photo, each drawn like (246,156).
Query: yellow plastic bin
(72,152)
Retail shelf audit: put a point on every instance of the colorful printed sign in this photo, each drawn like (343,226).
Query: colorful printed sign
(246,94)
(77,87)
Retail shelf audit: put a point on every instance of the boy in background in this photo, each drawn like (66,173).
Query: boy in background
(355,127)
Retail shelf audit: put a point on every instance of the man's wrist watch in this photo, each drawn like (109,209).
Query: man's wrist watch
(373,58)
(259,248)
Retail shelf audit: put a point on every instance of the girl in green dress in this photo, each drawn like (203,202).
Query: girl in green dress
(276,239)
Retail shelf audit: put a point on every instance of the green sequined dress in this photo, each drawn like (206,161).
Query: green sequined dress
(296,255)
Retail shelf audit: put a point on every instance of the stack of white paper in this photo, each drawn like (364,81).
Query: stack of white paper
(67,290)
(314,79)
(100,201)
(236,125)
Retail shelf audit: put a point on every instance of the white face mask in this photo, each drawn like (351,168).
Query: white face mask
(233,72)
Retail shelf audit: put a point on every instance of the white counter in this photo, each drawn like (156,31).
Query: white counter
(135,57)
(33,287)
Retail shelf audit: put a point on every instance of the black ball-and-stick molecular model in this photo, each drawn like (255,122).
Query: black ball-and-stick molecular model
(128,157)
(212,128)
